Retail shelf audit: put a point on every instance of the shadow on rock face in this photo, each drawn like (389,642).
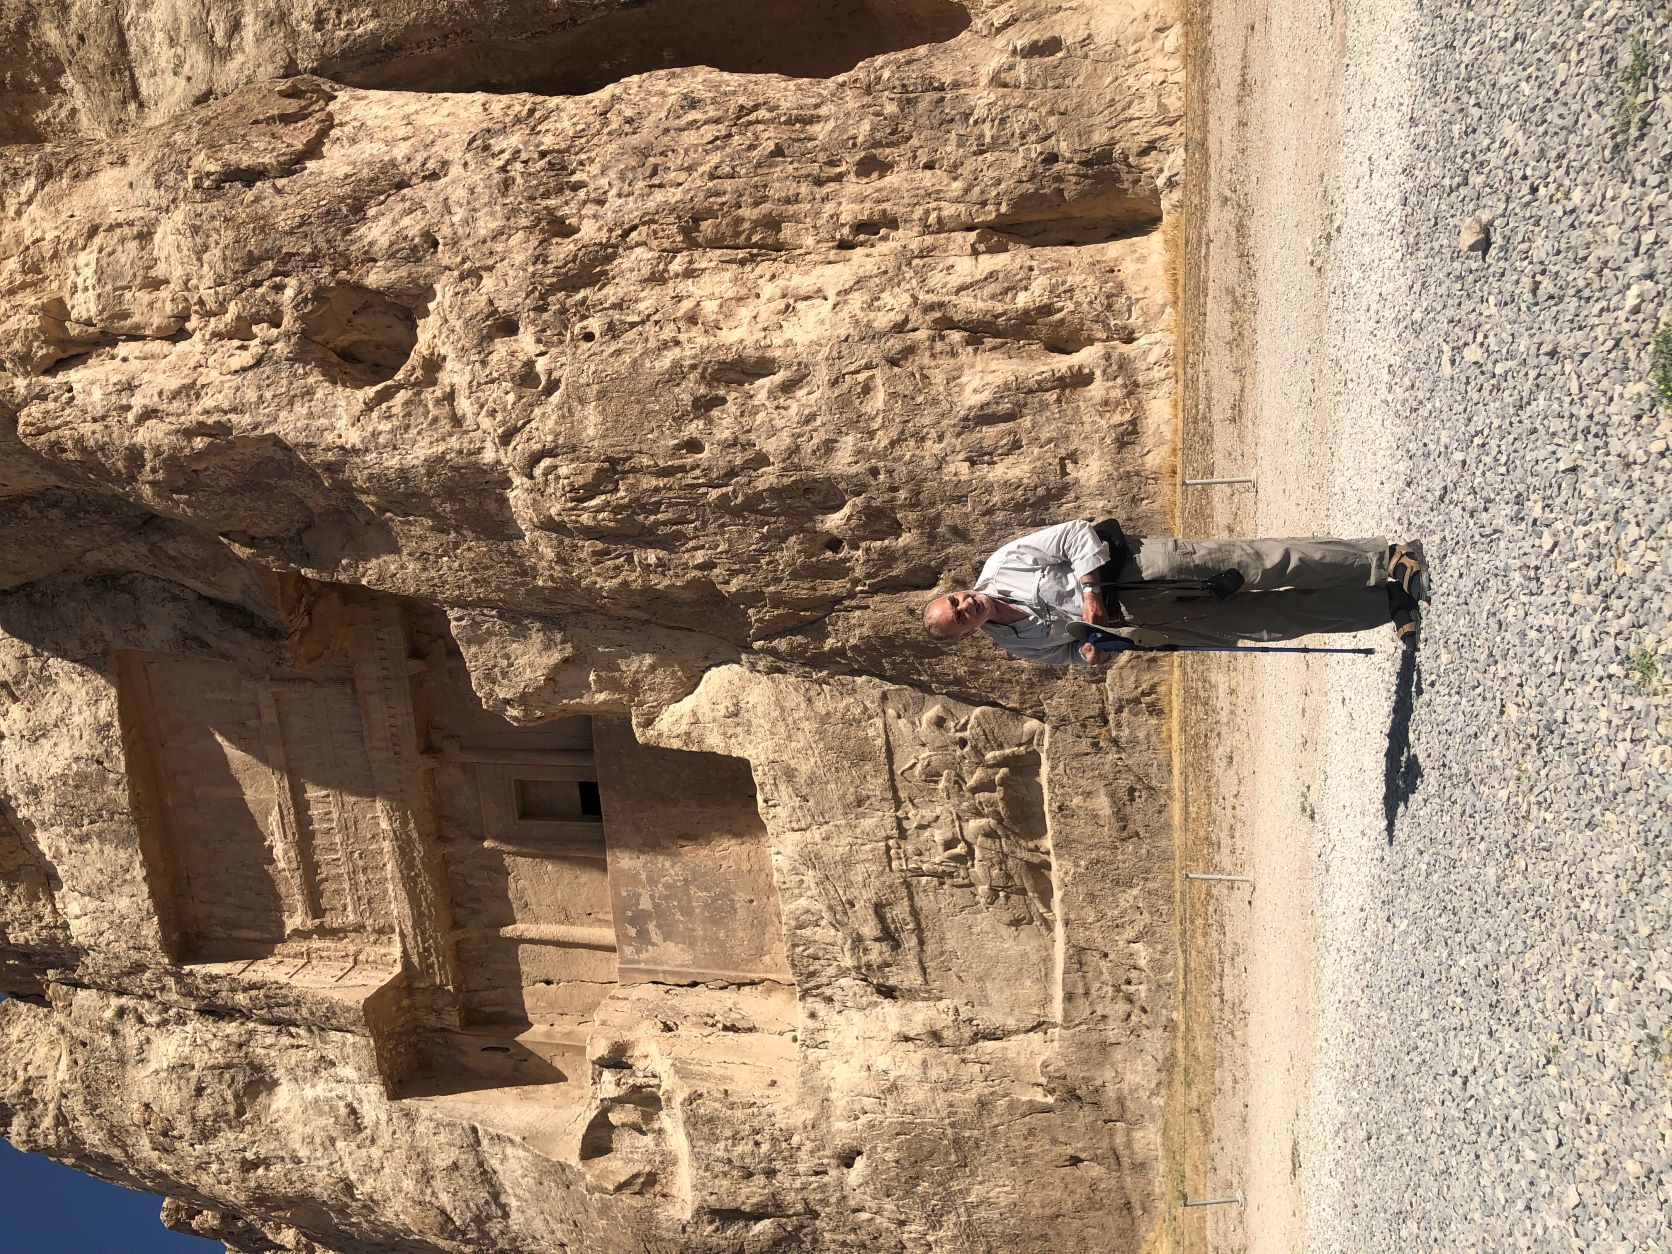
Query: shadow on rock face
(797,38)
(1401,772)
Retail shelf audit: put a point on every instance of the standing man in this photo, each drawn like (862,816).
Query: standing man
(1155,590)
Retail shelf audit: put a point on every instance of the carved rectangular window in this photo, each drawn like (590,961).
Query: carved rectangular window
(544,803)
(562,800)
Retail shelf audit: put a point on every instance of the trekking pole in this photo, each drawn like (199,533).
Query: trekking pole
(1231,648)
(1108,642)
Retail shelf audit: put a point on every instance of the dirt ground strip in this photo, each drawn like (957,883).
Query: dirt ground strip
(1264,130)
(1258,143)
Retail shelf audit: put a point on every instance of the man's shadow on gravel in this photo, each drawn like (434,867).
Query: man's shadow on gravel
(1401,772)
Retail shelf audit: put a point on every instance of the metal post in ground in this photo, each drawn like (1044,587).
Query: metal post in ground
(1203,483)
(1234,1199)
(1220,879)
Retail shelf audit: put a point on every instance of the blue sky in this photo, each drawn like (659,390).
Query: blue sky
(46,1208)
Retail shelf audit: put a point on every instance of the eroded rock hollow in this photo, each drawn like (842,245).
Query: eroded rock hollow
(471,775)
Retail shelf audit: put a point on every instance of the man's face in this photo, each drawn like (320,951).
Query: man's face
(959,615)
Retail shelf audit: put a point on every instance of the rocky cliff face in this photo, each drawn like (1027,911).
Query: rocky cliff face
(471,776)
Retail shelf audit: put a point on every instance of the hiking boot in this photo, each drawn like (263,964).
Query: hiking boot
(1405,570)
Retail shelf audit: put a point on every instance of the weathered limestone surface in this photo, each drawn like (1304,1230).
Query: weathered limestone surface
(470,773)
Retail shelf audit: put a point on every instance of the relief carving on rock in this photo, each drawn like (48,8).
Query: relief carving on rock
(974,848)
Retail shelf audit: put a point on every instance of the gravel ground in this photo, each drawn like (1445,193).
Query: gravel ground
(1493,997)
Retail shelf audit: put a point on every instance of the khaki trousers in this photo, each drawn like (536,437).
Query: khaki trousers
(1293,587)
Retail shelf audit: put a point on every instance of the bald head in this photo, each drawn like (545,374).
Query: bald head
(958,615)
(938,619)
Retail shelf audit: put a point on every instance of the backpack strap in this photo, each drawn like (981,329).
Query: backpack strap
(1120,549)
